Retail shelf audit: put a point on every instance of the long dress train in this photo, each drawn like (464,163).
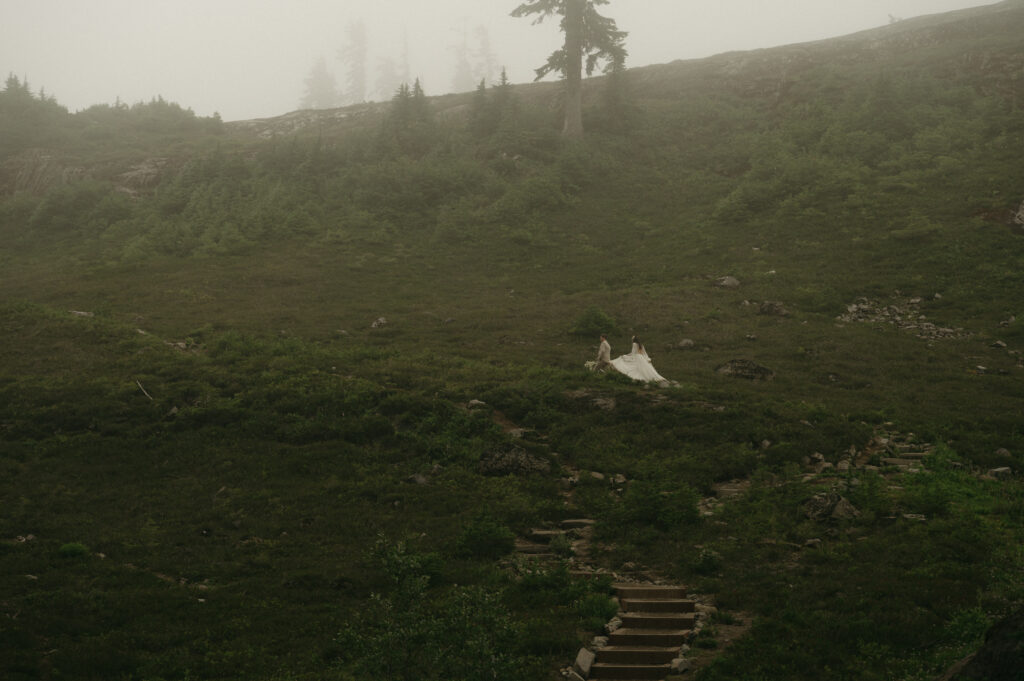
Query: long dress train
(638,366)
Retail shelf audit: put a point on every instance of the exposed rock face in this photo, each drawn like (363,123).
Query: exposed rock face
(512,462)
(296,121)
(36,171)
(141,176)
(744,368)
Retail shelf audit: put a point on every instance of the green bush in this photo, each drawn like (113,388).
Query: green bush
(73,550)
(650,504)
(592,323)
(484,537)
(597,606)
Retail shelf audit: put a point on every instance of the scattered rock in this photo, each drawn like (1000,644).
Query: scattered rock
(80,313)
(905,314)
(613,625)
(727,282)
(686,343)
(584,660)
(418,479)
(515,461)
(829,506)
(774,308)
(744,368)
(681,665)
(476,404)
(812,544)
(379,322)
(1001,473)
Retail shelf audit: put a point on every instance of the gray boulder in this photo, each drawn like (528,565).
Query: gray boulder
(727,282)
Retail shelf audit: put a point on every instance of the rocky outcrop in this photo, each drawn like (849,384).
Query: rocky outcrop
(515,461)
(829,506)
(1001,658)
(903,313)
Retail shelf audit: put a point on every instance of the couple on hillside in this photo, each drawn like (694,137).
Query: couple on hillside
(637,364)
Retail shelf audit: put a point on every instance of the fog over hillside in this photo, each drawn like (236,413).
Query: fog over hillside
(250,58)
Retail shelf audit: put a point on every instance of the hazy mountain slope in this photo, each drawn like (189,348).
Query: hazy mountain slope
(211,455)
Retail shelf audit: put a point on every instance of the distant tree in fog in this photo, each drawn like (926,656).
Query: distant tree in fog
(392,72)
(353,56)
(388,79)
(589,37)
(484,59)
(463,80)
(321,88)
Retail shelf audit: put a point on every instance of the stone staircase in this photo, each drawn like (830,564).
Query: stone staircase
(655,622)
(646,638)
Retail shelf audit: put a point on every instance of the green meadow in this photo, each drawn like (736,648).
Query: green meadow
(213,465)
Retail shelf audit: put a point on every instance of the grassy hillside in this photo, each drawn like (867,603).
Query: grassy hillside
(213,466)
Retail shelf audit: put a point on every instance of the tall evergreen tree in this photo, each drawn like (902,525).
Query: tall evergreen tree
(589,38)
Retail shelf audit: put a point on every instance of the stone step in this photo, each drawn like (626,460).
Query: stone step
(576,523)
(523,546)
(545,536)
(914,455)
(900,462)
(632,638)
(674,605)
(629,672)
(637,654)
(650,591)
(658,620)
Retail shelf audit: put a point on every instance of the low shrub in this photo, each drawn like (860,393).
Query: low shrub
(484,537)
(73,550)
(592,323)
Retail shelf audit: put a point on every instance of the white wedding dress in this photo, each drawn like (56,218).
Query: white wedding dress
(637,365)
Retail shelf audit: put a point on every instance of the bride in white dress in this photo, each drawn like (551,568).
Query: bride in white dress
(637,365)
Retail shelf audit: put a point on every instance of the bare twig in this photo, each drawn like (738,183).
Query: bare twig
(143,390)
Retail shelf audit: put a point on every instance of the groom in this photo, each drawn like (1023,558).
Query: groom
(604,355)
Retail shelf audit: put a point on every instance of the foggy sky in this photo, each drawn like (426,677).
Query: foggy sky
(249,58)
